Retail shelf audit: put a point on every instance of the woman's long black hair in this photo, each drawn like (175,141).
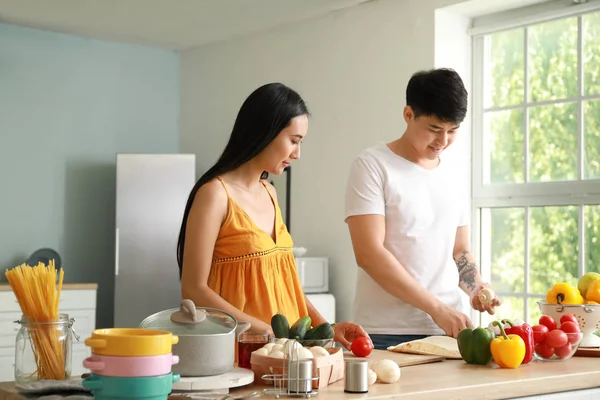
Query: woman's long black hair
(265,113)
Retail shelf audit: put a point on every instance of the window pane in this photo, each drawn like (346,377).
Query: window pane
(507,249)
(505,69)
(505,138)
(591,55)
(552,63)
(591,125)
(553,247)
(534,311)
(553,142)
(592,238)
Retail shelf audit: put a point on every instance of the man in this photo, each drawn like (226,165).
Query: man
(408,217)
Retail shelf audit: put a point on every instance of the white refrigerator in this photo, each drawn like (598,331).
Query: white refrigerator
(151,194)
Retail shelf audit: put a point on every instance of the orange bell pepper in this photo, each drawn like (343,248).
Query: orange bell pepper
(593,292)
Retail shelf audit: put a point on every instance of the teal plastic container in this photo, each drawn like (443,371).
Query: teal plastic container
(126,388)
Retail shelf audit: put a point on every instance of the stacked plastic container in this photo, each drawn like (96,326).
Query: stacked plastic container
(131,364)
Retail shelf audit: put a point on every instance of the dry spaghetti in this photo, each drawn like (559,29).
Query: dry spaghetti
(38,294)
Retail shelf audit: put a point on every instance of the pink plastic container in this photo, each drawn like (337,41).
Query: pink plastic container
(130,366)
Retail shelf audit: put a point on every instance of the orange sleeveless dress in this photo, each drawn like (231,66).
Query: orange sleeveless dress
(253,272)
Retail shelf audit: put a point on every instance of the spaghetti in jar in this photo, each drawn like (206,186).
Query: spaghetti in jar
(43,350)
(44,342)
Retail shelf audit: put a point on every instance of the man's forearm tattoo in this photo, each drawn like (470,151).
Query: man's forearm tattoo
(467,270)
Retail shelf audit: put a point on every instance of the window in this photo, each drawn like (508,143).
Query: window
(536,159)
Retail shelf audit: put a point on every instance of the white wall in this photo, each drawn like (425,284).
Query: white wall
(351,67)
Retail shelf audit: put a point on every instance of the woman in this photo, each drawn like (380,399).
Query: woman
(234,251)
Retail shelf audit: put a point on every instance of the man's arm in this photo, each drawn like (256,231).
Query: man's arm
(467,266)
(367,233)
(470,280)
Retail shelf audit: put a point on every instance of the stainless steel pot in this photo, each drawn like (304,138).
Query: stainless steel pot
(207,338)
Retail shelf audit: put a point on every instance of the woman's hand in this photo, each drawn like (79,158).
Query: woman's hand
(260,327)
(346,332)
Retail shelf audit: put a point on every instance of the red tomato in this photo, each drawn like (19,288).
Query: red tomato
(556,338)
(548,321)
(543,350)
(564,351)
(572,330)
(361,347)
(568,318)
(539,333)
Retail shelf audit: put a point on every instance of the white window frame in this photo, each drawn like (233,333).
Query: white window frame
(528,194)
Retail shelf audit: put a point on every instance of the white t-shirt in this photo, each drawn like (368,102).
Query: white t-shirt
(422,209)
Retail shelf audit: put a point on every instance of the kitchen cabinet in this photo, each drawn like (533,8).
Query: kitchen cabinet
(77,299)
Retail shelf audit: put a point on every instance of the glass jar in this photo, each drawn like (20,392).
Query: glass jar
(43,350)
(249,342)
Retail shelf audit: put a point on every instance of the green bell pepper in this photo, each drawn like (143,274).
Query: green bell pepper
(474,345)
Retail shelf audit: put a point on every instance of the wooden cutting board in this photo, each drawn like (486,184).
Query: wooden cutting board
(588,352)
(403,359)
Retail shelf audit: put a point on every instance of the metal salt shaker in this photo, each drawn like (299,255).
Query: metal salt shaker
(357,376)
(300,376)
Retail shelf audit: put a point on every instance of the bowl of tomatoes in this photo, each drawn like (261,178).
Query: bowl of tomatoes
(556,340)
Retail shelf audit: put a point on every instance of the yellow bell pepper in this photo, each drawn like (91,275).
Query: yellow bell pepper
(508,351)
(593,292)
(563,293)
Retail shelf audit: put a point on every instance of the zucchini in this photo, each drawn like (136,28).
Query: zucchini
(280,325)
(321,332)
(300,327)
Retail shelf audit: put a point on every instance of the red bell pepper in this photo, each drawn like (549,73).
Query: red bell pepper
(526,333)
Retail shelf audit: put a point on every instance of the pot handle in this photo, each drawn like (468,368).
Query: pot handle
(176,378)
(92,365)
(174,360)
(242,327)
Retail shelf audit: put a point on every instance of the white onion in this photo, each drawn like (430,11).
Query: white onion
(261,352)
(372,377)
(387,371)
(276,354)
(319,351)
(269,346)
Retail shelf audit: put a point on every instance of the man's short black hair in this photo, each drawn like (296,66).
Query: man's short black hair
(438,92)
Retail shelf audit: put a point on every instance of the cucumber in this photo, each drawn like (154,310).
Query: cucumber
(280,325)
(323,331)
(300,327)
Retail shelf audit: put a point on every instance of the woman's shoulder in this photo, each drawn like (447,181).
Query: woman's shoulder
(211,196)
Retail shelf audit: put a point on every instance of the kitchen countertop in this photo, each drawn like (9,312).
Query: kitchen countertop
(454,379)
(66,286)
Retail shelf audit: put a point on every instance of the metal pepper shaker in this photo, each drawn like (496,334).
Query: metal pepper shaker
(357,376)
(300,376)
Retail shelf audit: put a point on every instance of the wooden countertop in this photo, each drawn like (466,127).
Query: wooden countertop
(66,286)
(454,379)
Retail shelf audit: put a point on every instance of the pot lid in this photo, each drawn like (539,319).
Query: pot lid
(191,320)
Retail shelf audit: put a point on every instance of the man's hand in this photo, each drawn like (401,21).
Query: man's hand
(451,320)
(480,306)
(346,332)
